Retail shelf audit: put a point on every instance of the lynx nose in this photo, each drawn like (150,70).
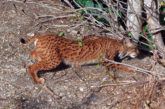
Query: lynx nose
(127,54)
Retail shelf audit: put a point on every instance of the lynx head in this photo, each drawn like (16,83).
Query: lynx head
(129,49)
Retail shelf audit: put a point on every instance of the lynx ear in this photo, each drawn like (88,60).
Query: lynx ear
(127,42)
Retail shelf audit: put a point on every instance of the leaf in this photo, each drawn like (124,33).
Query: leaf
(150,37)
(61,33)
(80,12)
(146,28)
(81,17)
(96,61)
(141,34)
(119,14)
(163,9)
(101,59)
(102,20)
(129,34)
(89,4)
(154,46)
(99,5)
(98,65)
(80,44)
(107,11)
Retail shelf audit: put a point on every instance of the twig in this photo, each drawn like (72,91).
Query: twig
(39,4)
(68,26)
(56,17)
(2,99)
(53,18)
(136,68)
(51,92)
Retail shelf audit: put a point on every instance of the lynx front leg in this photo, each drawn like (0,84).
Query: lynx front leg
(77,69)
(42,65)
(117,67)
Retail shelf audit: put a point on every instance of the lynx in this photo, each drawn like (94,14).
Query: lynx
(51,50)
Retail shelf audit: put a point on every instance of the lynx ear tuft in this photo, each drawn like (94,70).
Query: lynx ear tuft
(22,40)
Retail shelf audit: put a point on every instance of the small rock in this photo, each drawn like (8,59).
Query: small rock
(23,70)
(30,34)
(68,30)
(74,32)
(81,89)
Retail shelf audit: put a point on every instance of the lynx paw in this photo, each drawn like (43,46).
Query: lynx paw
(41,81)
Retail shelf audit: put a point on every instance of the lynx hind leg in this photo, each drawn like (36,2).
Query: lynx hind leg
(43,65)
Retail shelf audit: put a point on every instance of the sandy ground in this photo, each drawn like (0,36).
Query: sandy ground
(63,88)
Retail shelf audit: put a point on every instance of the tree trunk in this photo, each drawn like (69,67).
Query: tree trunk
(153,22)
(134,11)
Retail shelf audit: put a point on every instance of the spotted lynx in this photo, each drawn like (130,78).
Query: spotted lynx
(51,50)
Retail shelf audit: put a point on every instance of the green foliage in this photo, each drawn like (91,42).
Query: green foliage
(106,69)
(100,59)
(81,17)
(61,33)
(92,4)
(96,61)
(150,37)
(107,11)
(80,44)
(80,12)
(96,12)
(162,15)
(119,13)
(146,30)
(89,3)
(163,10)
(129,34)
(98,65)
(105,22)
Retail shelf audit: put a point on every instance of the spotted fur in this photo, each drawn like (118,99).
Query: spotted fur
(51,50)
